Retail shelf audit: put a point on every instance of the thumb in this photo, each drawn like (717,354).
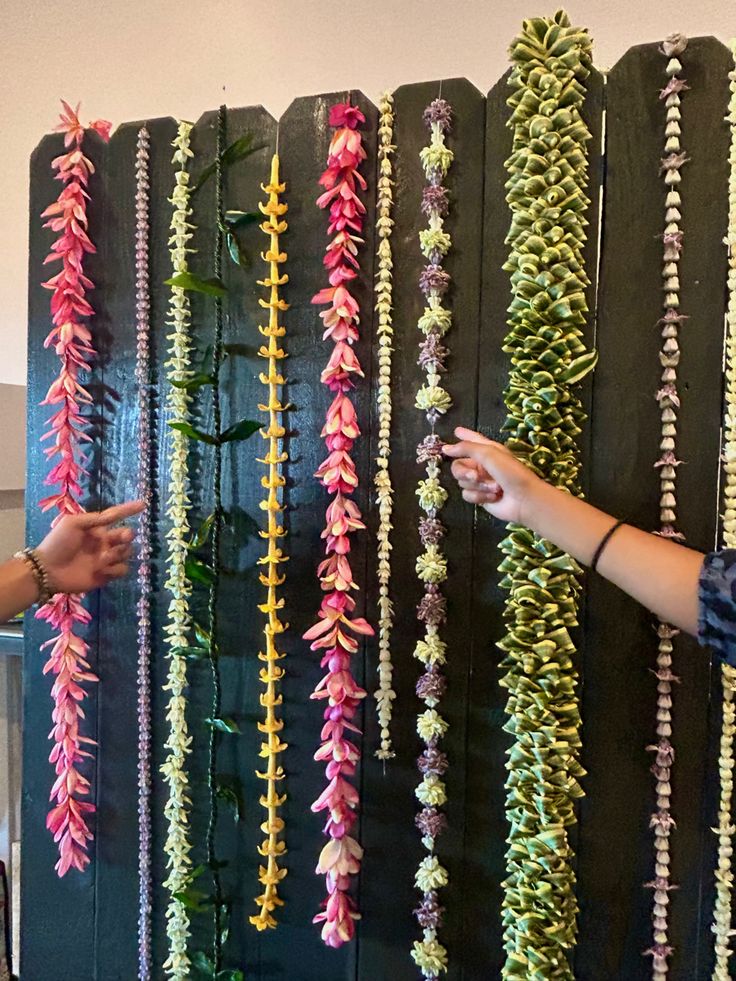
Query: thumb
(101,519)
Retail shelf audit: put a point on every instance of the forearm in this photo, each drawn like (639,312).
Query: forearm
(18,588)
(659,574)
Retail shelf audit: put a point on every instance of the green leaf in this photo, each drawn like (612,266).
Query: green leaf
(240,431)
(224,725)
(202,635)
(196,872)
(198,571)
(193,899)
(236,250)
(225,929)
(230,790)
(238,219)
(203,532)
(579,368)
(202,963)
(195,653)
(192,433)
(188,281)
(196,381)
(231,974)
(239,150)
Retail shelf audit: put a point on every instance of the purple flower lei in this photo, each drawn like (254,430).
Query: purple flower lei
(434,282)
(143,386)
(662,822)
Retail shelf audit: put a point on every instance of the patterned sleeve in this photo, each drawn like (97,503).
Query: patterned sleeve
(717,597)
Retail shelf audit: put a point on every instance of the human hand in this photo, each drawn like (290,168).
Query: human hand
(84,551)
(492,477)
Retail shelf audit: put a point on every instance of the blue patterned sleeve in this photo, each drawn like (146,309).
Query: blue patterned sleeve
(717,596)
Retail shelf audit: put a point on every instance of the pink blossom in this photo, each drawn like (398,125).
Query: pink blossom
(343,114)
(335,574)
(71,341)
(336,627)
(343,364)
(341,428)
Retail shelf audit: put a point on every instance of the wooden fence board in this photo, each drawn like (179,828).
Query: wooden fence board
(392,855)
(616,846)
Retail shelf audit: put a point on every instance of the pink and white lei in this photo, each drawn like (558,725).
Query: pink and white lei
(336,629)
(72,342)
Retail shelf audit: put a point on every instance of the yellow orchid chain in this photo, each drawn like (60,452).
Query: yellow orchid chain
(273,847)
(178,624)
(722,912)
(385,694)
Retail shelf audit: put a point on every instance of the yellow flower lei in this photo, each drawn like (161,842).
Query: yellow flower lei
(272,848)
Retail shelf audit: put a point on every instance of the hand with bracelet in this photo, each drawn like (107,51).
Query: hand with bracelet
(82,552)
(685,588)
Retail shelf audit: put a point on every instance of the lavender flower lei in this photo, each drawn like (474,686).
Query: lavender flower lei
(431,567)
(662,821)
(143,386)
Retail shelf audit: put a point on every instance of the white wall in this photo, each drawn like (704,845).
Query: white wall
(142,58)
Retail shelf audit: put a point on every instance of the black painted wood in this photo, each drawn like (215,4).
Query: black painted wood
(43,932)
(615,853)
(388,791)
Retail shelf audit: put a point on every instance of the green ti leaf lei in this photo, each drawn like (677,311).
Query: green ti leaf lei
(546,191)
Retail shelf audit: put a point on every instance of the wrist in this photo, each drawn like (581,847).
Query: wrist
(35,565)
(534,501)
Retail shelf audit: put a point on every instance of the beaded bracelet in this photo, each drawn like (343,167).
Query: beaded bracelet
(41,576)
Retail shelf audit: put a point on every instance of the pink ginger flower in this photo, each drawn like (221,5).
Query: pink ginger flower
(338,919)
(71,342)
(343,517)
(335,629)
(343,364)
(343,114)
(341,427)
(337,473)
(335,574)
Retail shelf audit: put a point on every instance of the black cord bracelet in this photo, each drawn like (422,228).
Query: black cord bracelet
(604,541)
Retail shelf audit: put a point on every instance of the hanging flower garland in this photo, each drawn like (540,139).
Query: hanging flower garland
(273,847)
(333,632)
(428,953)
(385,694)
(178,624)
(143,389)
(547,182)
(662,821)
(723,909)
(71,339)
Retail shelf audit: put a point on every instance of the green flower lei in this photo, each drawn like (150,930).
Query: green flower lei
(178,625)
(547,196)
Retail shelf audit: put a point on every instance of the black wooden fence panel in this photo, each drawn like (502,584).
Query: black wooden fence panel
(95,939)
(619,696)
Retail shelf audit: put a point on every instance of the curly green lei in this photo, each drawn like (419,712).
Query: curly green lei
(548,176)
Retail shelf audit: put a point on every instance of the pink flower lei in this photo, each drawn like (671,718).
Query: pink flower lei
(336,629)
(71,341)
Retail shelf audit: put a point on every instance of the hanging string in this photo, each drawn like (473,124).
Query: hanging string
(215,552)
(143,390)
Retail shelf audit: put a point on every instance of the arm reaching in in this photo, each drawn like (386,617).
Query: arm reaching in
(659,574)
(83,552)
